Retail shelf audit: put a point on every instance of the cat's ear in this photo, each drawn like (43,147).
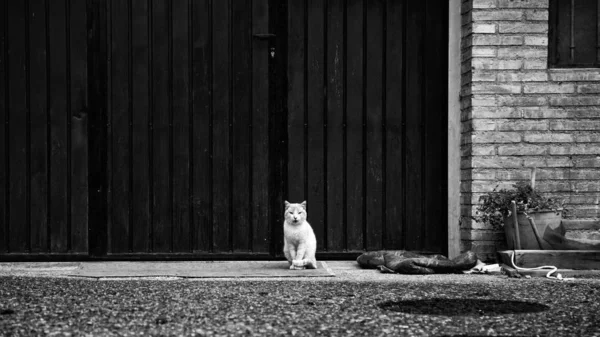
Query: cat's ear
(287,204)
(303,204)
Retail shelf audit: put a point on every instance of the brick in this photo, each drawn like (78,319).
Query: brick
(484,3)
(483,125)
(522,52)
(487,186)
(483,150)
(522,150)
(496,64)
(587,162)
(584,213)
(548,137)
(588,88)
(523,4)
(535,64)
(573,174)
(563,113)
(553,186)
(484,28)
(483,52)
(478,174)
(536,41)
(522,100)
(588,137)
(465,91)
(536,15)
(496,88)
(574,100)
(537,76)
(465,67)
(496,162)
(522,125)
(496,137)
(484,76)
(496,40)
(548,88)
(523,28)
(537,113)
(479,100)
(588,186)
(577,199)
(585,149)
(495,112)
(580,125)
(497,15)
(556,161)
(513,174)
(574,75)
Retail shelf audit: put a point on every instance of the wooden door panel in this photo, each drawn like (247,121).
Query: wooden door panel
(367,122)
(189,111)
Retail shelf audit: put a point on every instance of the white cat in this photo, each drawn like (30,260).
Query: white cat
(300,243)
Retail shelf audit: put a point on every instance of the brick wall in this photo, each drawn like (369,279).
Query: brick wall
(517,114)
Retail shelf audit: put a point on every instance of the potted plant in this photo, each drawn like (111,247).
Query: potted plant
(535,212)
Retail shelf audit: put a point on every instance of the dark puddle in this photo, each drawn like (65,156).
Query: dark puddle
(462,307)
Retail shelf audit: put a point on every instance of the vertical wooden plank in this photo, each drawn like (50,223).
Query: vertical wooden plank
(414,126)
(315,55)
(374,129)
(335,126)
(296,101)
(3,128)
(242,118)
(354,124)
(97,142)
(221,44)
(38,124)
(58,125)
(394,110)
(140,132)
(18,128)
(201,125)
(260,129)
(79,138)
(161,109)
(181,128)
(121,194)
(435,147)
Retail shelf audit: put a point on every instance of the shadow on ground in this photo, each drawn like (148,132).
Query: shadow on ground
(462,307)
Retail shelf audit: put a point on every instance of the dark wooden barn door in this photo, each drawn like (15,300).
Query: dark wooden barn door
(165,128)
(367,121)
(43,132)
(188,136)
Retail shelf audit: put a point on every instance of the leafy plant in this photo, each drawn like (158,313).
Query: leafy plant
(495,205)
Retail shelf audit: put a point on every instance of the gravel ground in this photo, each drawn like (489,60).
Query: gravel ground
(484,305)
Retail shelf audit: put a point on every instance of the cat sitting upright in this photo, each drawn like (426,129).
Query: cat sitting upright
(300,243)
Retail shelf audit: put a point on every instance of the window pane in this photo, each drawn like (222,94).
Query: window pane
(584,32)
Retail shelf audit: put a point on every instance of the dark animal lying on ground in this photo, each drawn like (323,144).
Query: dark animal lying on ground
(406,262)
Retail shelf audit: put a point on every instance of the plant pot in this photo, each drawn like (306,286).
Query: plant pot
(544,220)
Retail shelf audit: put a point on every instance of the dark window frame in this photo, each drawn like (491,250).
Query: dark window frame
(566,58)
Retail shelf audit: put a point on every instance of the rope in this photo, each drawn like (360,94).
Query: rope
(553,269)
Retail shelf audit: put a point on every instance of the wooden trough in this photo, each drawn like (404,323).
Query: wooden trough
(581,256)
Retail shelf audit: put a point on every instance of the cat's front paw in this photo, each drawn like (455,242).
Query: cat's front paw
(298,265)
